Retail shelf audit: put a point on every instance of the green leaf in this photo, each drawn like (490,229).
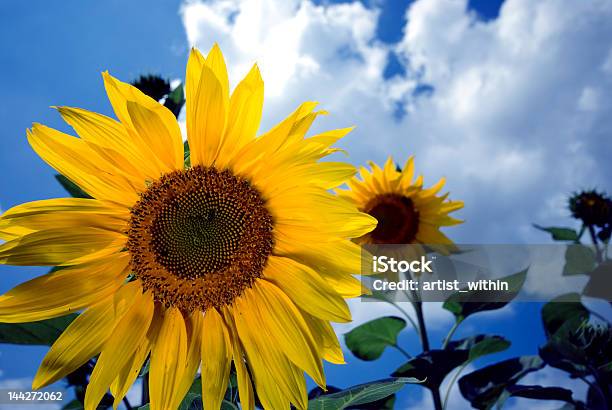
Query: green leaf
(359,395)
(432,366)
(175,100)
(480,345)
(72,188)
(484,387)
(43,332)
(464,304)
(194,394)
(227,405)
(559,234)
(369,340)
(562,309)
(187,155)
(579,259)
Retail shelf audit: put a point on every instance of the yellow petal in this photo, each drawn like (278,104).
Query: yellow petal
(216,357)
(127,335)
(431,235)
(192,81)
(130,371)
(245,110)
(194,348)
(161,150)
(215,61)
(276,381)
(307,289)
(285,326)
(164,138)
(65,213)
(277,137)
(168,360)
(58,247)
(326,339)
(342,257)
(298,215)
(206,121)
(245,386)
(65,291)
(72,158)
(84,337)
(111,140)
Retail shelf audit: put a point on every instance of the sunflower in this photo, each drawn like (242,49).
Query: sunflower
(406,212)
(242,257)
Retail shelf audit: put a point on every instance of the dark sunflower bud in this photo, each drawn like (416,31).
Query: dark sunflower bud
(591,207)
(153,85)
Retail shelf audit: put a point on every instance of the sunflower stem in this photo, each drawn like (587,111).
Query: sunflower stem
(128,406)
(145,389)
(418,307)
(595,243)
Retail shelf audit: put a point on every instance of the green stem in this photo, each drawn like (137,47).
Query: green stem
(145,389)
(594,386)
(452,330)
(402,351)
(418,307)
(128,406)
(595,243)
(452,382)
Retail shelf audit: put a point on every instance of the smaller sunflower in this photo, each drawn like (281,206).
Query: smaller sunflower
(406,212)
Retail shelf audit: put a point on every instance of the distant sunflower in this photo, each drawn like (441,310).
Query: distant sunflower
(242,257)
(406,212)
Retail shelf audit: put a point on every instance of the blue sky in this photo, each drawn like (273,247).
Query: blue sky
(477,105)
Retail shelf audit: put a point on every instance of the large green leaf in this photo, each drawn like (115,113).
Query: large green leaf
(562,309)
(369,340)
(579,259)
(73,189)
(359,395)
(43,332)
(600,282)
(386,403)
(480,345)
(464,304)
(559,234)
(432,366)
(484,387)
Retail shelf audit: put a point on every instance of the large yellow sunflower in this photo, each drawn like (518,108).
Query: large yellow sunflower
(242,257)
(406,212)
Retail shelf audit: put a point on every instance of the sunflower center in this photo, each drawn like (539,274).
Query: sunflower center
(398,220)
(199,237)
